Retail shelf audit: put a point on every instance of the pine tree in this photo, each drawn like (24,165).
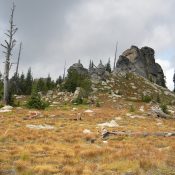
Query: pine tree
(41,85)
(28,82)
(108,66)
(48,82)
(92,64)
(22,83)
(59,80)
(35,100)
(74,80)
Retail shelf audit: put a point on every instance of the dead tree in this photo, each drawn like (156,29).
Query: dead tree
(8,46)
(115,58)
(19,56)
(64,71)
(16,82)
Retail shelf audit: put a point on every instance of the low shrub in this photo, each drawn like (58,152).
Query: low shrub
(146,98)
(36,103)
(132,108)
(164,108)
(97,104)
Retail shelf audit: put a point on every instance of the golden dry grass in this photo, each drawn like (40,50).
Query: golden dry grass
(67,150)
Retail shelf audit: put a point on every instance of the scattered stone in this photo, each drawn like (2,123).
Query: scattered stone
(137,116)
(6,109)
(111,124)
(55,103)
(105,142)
(87,131)
(44,126)
(103,83)
(133,98)
(78,94)
(88,111)
(74,109)
(118,118)
(49,93)
(128,114)
(159,123)
(19,97)
(52,116)
(142,109)
(19,108)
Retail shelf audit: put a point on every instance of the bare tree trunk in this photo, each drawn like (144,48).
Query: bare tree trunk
(115,58)
(9,45)
(64,71)
(19,56)
(6,83)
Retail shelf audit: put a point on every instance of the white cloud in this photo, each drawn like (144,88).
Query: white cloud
(80,29)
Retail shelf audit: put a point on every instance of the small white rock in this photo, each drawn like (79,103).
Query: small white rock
(87,131)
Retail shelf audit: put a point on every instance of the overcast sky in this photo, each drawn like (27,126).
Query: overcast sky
(53,31)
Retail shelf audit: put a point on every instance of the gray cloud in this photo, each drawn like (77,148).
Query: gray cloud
(59,30)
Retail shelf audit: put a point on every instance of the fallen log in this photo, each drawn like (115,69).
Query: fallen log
(106,133)
(161,114)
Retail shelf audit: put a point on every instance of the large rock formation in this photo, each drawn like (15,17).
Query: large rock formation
(142,62)
(79,68)
(98,73)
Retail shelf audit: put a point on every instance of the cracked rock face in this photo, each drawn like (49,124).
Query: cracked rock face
(142,62)
(79,68)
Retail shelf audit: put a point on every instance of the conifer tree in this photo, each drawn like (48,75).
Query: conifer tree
(108,66)
(59,80)
(28,82)
(41,85)
(22,83)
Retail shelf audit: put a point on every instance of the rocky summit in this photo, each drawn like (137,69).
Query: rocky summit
(142,62)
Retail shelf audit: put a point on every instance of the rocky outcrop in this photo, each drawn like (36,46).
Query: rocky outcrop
(98,73)
(142,62)
(79,68)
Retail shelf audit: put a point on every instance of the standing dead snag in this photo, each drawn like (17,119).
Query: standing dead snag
(115,58)
(19,56)
(8,46)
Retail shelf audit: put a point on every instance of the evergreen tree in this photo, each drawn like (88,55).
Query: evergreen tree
(74,80)
(108,66)
(59,80)
(35,99)
(22,83)
(49,83)
(90,64)
(41,85)
(28,82)
(13,84)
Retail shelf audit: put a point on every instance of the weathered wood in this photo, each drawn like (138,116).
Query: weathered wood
(161,114)
(9,45)
(115,58)
(106,133)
